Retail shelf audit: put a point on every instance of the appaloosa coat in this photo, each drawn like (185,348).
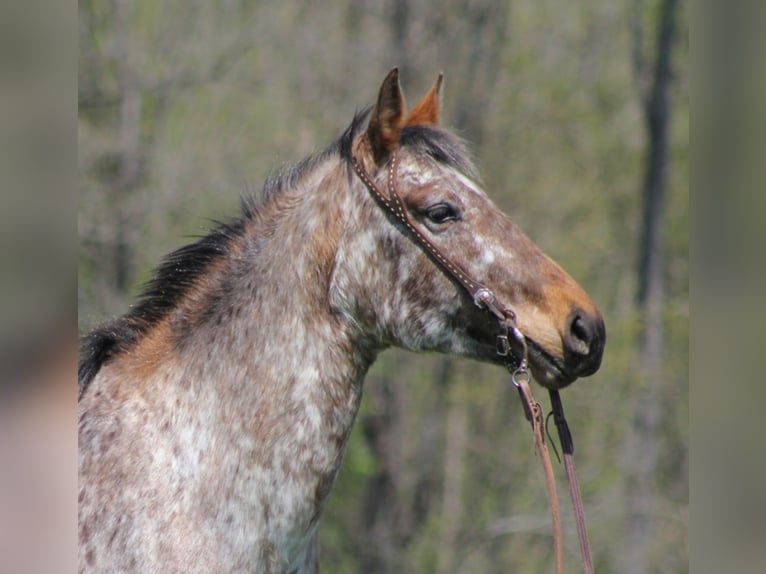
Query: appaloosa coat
(213,417)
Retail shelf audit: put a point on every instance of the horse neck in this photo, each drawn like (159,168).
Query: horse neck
(259,339)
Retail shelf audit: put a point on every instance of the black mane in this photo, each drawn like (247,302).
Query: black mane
(178,272)
(174,277)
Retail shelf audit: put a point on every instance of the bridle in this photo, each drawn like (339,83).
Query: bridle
(516,362)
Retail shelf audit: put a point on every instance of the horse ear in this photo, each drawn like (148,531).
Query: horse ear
(387,118)
(428,110)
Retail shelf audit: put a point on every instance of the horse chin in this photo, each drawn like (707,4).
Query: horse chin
(551,378)
(546,370)
(544,367)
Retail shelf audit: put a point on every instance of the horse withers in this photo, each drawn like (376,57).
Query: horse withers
(213,417)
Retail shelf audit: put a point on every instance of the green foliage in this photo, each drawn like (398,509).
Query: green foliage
(229,91)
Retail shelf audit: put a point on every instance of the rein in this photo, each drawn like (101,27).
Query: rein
(484,298)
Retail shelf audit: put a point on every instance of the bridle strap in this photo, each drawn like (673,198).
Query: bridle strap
(484,298)
(567,447)
(534,414)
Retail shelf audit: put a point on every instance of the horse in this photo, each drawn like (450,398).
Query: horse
(214,415)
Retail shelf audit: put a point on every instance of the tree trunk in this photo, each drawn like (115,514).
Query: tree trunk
(643,448)
(382,502)
(455,447)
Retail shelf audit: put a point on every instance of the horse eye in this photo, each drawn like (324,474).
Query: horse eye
(442,213)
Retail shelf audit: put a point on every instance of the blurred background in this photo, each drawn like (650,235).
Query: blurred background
(578,114)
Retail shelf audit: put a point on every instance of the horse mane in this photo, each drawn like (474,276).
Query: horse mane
(172,280)
(180,271)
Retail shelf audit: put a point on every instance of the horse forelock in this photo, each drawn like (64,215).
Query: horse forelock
(436,142)
(441,145)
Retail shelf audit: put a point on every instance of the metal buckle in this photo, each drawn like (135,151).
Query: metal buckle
(483,297)
(521,374)
(503,345)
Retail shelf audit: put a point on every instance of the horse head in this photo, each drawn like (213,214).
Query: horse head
(394,290)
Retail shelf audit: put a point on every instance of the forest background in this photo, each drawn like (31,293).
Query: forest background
(578,114)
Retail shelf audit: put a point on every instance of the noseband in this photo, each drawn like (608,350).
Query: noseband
(515,361)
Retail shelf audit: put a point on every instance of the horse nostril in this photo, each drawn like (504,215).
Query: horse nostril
(580,336)
(584,342)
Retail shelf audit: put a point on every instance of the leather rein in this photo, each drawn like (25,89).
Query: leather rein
(516,362)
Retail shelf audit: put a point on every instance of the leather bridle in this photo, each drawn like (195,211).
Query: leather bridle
(515,361)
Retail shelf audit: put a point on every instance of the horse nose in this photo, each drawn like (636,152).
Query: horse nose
(584,341)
